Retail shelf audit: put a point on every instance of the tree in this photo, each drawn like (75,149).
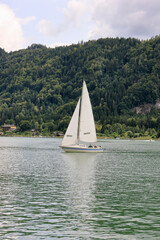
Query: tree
(25,125)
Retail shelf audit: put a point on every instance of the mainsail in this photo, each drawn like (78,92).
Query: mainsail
(87,131)
(70,136)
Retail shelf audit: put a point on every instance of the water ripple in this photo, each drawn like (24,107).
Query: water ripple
(47,194)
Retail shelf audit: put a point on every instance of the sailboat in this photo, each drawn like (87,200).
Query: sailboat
(81,128)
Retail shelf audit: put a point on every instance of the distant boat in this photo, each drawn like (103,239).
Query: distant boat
(81,127)
(150,140)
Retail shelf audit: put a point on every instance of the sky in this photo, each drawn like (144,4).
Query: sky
(63,22)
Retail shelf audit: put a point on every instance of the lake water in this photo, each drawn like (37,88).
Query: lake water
(48,194)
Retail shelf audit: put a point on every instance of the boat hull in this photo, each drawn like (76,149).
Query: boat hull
(82,149)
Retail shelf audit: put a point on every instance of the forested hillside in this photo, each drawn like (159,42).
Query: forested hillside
(39,86)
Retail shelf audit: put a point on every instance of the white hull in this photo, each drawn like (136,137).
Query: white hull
(82,149)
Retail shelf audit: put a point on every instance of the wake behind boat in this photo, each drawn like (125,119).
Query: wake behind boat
(81,127)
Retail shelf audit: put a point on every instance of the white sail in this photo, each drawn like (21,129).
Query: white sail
(70,136)
(87,131)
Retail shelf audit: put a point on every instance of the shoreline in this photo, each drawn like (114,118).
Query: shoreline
(99,138)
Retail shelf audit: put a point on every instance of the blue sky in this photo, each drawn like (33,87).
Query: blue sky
(63,22)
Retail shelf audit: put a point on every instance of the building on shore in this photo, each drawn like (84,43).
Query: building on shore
(8,128)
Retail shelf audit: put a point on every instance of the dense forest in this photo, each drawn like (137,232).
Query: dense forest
(39,86)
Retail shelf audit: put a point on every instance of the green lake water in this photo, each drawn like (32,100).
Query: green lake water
(48,194)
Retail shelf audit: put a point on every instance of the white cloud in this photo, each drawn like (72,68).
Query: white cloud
(108,18)
(72,19)
(100,18)
(45,27)
(58,44)
(11,35)
(27,20)
(74,12)
(123,18)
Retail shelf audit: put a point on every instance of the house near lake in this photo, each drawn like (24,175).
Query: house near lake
(9,128)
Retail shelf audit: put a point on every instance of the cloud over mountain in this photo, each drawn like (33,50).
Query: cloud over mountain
(120,18)
(10,29)
(109,18)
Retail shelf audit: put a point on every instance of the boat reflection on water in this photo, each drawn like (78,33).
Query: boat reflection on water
(81,181)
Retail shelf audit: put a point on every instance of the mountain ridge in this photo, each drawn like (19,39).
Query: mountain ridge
(41,85)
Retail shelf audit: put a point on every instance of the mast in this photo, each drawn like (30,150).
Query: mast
(79,120)
(79,116)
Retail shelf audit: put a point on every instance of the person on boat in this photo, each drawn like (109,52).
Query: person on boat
(95,146)
(90,146)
